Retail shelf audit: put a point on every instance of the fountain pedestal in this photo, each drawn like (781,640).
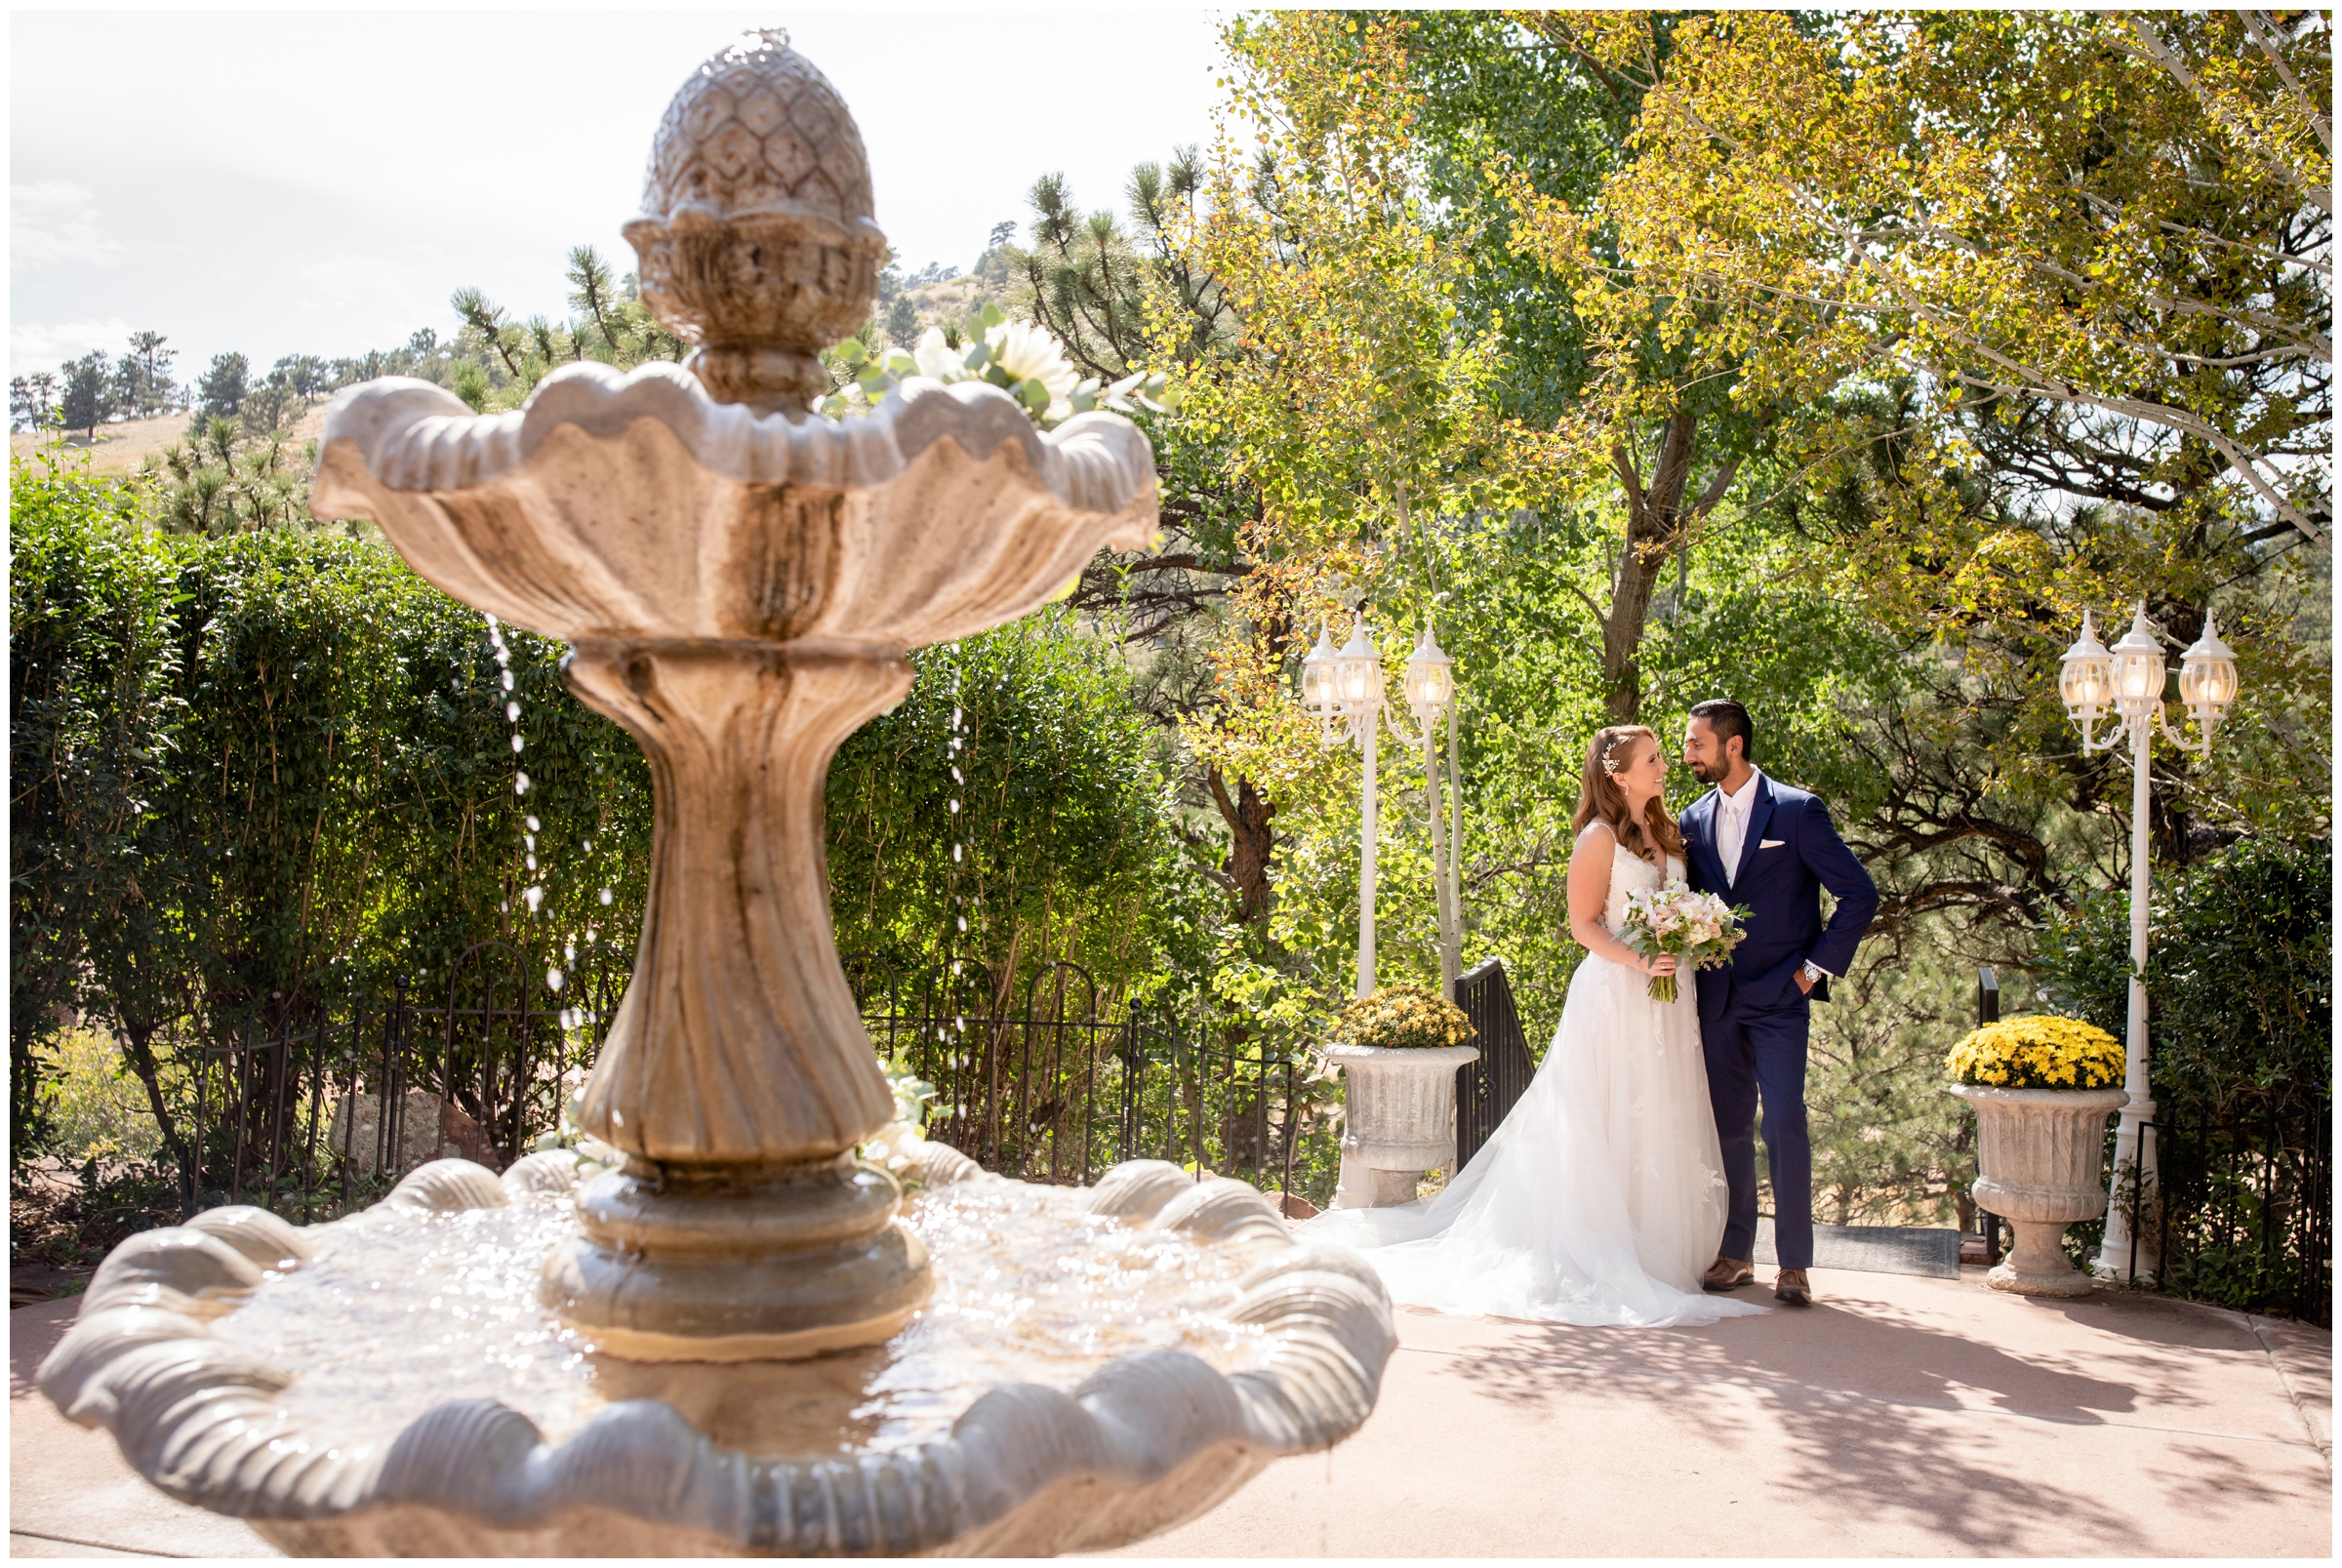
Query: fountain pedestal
(740,1227)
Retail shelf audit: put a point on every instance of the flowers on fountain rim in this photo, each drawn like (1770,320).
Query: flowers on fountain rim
(1403,1018)
(1021,358)
(2037,1050)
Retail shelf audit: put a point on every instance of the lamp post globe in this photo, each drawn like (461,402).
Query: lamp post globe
(2208,677)
(1359,673)
(1431,680)
(2139,670)
(2085,677)
(1317,680)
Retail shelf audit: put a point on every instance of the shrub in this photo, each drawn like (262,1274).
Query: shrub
(2239,980)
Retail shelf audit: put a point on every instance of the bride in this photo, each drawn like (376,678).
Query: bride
(1601,1196)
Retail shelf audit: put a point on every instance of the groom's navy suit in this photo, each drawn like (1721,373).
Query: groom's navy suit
(1754,1020)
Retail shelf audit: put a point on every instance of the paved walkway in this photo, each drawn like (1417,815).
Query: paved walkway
(1899,1417)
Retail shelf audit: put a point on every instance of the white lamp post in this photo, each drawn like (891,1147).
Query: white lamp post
(1430,689)
(1344,691)
(2131,679)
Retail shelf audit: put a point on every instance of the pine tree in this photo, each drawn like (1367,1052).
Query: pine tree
(220,392)
(593,291)
(156,392)
(31,400)
(88,395)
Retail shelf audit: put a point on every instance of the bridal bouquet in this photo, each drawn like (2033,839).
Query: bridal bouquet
(1699,929)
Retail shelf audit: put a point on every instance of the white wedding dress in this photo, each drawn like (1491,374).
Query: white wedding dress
(1601,1200)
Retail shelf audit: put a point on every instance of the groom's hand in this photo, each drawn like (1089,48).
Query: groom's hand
(1804,984)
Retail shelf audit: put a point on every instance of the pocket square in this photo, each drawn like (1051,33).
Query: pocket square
(1772,843)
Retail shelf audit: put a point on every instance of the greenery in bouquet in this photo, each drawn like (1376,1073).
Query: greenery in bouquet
(1018,357)
(1699,930)
(1403,1018)
(2038,1052)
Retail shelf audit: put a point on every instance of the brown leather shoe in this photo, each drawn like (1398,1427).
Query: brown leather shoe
(1790,1286)
(1727,1273)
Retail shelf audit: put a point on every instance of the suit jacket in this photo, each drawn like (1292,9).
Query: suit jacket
(1788,855)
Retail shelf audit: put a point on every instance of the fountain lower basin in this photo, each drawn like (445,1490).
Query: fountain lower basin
(1096,1365)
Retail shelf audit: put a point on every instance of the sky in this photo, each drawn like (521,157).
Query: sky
(319,181)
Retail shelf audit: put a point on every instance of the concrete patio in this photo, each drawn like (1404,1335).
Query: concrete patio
(1899,1417)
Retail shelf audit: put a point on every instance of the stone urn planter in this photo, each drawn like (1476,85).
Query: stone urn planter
(1400,1118)
(2039,1152)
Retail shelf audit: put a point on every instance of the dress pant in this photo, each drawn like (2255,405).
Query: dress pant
(1756,1054)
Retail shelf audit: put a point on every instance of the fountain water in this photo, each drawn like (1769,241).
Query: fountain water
(730,1339)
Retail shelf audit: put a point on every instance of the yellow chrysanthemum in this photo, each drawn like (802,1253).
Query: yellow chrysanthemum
(2038,1052)
(1404,1017)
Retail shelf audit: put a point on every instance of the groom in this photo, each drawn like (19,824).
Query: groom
(1772,848)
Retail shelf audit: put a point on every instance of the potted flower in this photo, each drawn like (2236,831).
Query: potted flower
(1399,1051)
(2042,1088)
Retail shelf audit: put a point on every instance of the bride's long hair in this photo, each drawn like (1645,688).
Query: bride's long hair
(1599,797)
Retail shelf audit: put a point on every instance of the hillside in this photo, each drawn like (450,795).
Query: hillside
(121,448)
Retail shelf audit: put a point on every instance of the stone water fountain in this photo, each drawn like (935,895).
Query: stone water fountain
(732,1338)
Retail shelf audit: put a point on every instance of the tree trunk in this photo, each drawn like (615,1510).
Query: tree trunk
(1250,843)
(1657,521)
(138,1052)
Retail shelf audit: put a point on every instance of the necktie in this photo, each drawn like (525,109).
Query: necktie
(1727,840)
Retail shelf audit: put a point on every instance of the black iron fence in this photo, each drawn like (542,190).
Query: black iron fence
(1487,1089)
(2241,1211)
(1056,1084)
(331,1105)
(335,1101)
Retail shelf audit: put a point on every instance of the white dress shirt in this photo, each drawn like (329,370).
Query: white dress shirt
(1732,823)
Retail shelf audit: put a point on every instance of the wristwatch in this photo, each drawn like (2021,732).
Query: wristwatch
(1814,972)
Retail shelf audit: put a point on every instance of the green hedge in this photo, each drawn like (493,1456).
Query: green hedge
(258,773)
(257,776)
(2239,980)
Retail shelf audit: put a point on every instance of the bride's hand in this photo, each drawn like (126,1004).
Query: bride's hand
(1664,964)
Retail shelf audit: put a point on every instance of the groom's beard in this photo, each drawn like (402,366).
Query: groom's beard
(1699,771)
